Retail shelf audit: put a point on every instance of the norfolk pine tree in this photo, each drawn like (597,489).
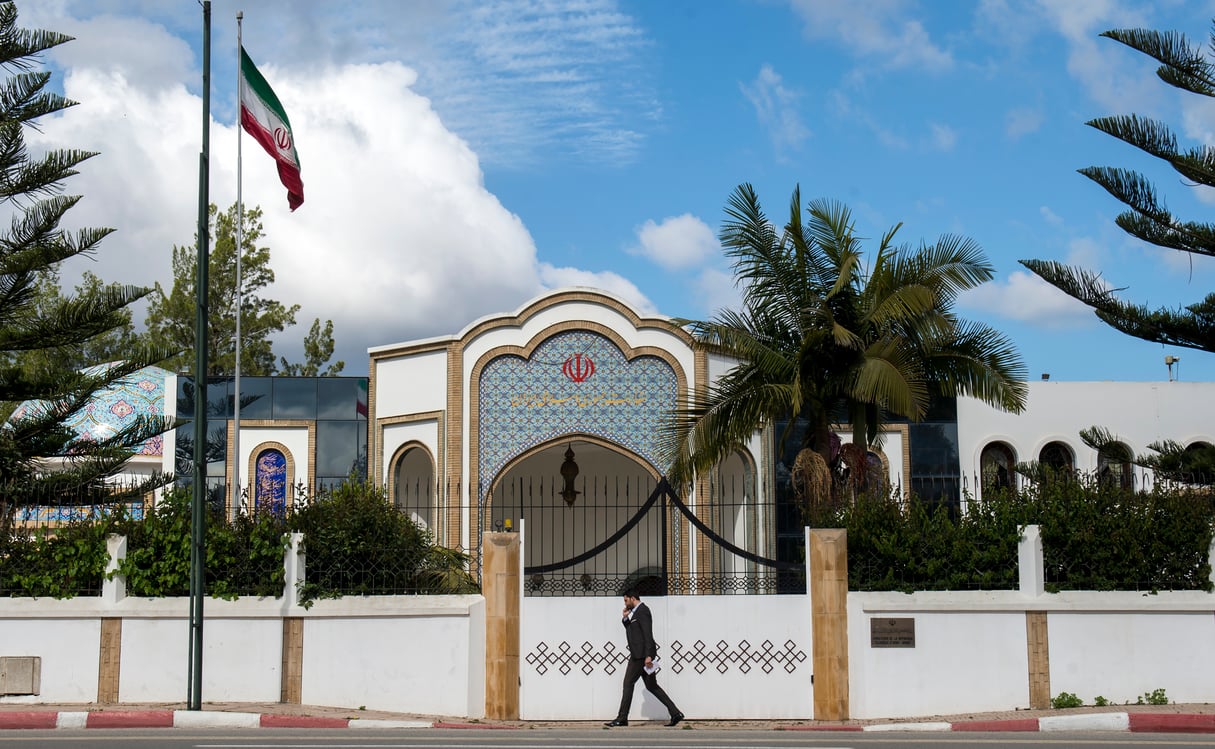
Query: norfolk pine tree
(1192,326)
(1189,69)
(32,249)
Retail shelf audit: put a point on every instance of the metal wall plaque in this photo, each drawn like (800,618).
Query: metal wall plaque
(892,633)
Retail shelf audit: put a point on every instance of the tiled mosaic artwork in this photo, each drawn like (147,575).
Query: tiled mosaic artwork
(117,407)
(575,382)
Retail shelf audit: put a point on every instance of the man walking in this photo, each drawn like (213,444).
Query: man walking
(639,628)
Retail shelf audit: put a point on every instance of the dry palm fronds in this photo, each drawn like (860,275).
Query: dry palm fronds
(811,478)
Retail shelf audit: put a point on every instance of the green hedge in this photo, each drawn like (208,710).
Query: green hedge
(1095,537)
(356,544)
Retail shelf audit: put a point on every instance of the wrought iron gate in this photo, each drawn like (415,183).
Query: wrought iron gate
(620,533)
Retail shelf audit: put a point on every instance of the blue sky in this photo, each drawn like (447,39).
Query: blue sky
(461,157)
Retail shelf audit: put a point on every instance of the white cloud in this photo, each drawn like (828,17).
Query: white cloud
(1021,122)
(1084,252)
(943,137)
(555,278)
(1025,297)
(776,108)
(1114,76)
(716,291)
(398,237)
(844,108)
(874,29)
(1050,216)
(677,242)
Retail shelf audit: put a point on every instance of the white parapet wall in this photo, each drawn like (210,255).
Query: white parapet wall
(971,649)
(414,654)
(736,657)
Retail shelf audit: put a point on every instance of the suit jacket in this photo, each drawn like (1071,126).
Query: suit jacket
(639,629)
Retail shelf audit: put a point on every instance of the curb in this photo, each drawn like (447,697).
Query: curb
(1111,722)
(48,719)
(1137,722)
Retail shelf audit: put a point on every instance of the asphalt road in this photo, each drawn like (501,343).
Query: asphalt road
(627,738)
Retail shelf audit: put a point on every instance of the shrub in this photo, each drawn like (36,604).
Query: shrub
(1065,700)
(1095,537)
(356,543)
(244,555)
(68,562)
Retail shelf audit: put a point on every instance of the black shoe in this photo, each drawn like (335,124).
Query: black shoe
(675,719)
(619,722)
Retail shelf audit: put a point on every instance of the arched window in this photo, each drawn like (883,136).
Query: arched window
(270,481)
(1057,457)
(1114,465)
(996,466)
(413,486)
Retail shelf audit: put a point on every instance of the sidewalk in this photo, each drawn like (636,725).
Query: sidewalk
(1196,718)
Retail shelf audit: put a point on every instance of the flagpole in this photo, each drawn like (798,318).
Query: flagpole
(198,516)
(240,219)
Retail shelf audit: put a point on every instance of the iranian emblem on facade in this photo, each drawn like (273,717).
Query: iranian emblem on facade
(578,368)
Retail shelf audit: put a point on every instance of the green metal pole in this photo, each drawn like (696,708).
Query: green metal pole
(198,527)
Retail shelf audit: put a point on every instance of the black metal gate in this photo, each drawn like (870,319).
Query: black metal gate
(620,533)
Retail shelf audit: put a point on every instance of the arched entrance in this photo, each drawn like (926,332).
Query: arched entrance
(577,494)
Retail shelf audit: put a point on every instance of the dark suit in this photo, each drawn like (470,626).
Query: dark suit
(639,630)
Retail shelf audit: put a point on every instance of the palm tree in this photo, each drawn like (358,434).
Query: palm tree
(823,337)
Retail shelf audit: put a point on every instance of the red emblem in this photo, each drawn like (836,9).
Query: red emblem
(282,138)
(578,368)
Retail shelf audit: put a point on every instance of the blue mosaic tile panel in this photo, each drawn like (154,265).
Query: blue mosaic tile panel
(141,393)
(575,382)
(73,513)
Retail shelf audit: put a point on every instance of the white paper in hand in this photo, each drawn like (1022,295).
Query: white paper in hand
(653,668)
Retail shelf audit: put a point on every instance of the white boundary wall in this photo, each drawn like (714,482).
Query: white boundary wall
(426,654)
(731,638)
(414,654)
(972,648)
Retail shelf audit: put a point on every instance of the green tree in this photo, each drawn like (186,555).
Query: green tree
(318,349)
(31,251)
(111,345)
(171,315)
(824,338)
(1187,68)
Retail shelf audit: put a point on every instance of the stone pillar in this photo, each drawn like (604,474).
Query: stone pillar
(1037,647)
(827,579)
(113,584)
(502,587)
(1030,567)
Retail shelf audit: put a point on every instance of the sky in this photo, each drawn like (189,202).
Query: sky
(461,158)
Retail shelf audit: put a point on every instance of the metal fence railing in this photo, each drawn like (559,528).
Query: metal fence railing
(615,533)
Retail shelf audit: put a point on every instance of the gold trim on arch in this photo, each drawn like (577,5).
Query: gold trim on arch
(525,352)
(390,482)
(254,454)
(573,437)
(902,429)
(231,456)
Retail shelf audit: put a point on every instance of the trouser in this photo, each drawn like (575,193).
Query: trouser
(634,671)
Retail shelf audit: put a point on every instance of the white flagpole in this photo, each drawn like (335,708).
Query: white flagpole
(240,218)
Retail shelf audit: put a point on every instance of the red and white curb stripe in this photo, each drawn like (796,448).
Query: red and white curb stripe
(49,719)
(46,719)
(1133,722)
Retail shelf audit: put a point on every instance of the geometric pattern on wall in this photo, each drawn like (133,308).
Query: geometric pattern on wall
(114,408)
(577,381)
(566,659)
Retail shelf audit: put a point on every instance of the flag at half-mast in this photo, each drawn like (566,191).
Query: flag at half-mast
(263,117)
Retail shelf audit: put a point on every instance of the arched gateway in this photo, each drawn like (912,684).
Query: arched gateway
(547,421)
(552,416)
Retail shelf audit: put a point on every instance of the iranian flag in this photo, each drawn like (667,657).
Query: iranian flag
(263,117)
